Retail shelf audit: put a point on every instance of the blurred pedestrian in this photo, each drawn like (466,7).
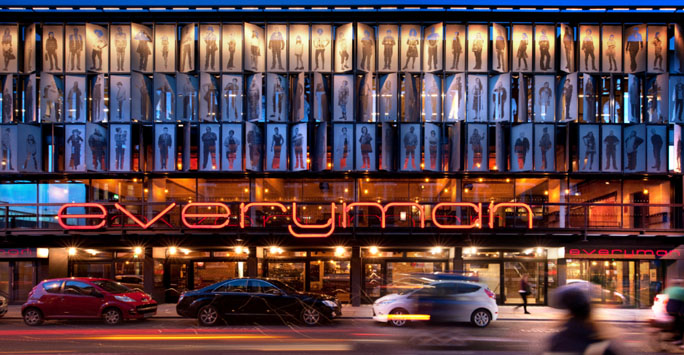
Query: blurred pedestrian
(675,308)
(524,291)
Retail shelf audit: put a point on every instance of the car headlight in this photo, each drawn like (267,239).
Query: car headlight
(330,304)
(124,299)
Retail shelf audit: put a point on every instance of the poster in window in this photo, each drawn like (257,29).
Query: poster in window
(499,93)
(675,150)
(611,38)
(677,99)
(365,47)
(75,99)
(410,147)
(321,97)
(432,47)
(255,146)
(567,98)
(7,99)
(74,148)
(165,147)
(321,43)
(387,157)
(165,46)
(276,60)
(209,42)
(432,98)
(410,48)
(141,103)
(300,111)
(208,98)
(98,108)
(343,151)
(142,47)
(120,48)
(231,103)
(210,147)
(454,104)
(411,107)
(231,158)
(388,51)
(500,47)
(96,151)
(567,55)
(343,95)
(521,147)
(76,52)
(366,104)
(276,147)
(255,48)
(477,98)
(366,147)
(299,149)
(635,148)
(119,98)
(522,48)
(187,48)
(186,105)
(299,48)
(678,58)
(657,49)
(53,48)
(119,147)
(477,147)
(388,97)
(8,148)
(635,49)
(588,157)
(611,151)
(254,91)
(656,148)
(656,98)
(544,98)
(320,148)
(456,146)
(544,143)
(344,39)
(633,112)
(164,98)
(545,49)
(432,150)
(232,38)
(51,91)
(589,49)
(97,53)
(30,99)
(29,148)
(29,48)
(589,99)
(455,46)
(478,36)
(277,98)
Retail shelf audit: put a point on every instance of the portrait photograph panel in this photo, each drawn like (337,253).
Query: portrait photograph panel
(231,103)
(343,94)
(455,148)
(165,48)
(8,148)
(299,48)
(29,48)
(366,104)
(455,37)
(589,99)
(633,109)
(142,48)
(76,52)
(611,148)
(10,49)
(432,98)
(30,114)
(366,147)
(53,48)
(544,144)
(210,147)
(321,100)
(545,48)
(455,98)
(276,61)
(478,36)
(500,48)
(522,48)
(567,54)
(656,148)
(343,149)
(477,98)
(499,92)
(588,156)
(75,99)
(277,101)
(255,48)
(521,147)
(477,147)
(675,150)
(411,104)
(51,91)
(635,49)
(29,148)
(164,98)
(164,147)
(187,48)
(388,145)
(141,103)
(98,144)
(635,148)
(74,148)
(611,38)
(300,101)
(657,103)
(589,49)
(657,49)
(209,45)
(567,98)
(119,98)
(678,58)
(344,40)
(120,48)
(365,47)
(388,97)
(276,147)
(186,105)
(208,98)
(255,147)
(319,158)
(7,98)
(97,52)
(433,144)
(433,41)
(410,147)
(676,99)
(120,147)
(321,48)
(254,92)
(98,106)
(388,51)
(231,138)
(232,48)
(410,48)
(299,148)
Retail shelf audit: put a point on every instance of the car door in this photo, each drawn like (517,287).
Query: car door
(80,300)
(272,301)
(233,298)
(52,299)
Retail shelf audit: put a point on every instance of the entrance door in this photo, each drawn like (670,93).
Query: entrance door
(176,280)
(372,281)
(489,273)
(513,273)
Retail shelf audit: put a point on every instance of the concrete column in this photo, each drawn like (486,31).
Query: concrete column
(58,261)
(252,263)
(458,260)
(356,276)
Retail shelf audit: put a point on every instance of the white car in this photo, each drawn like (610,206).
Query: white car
(452,301)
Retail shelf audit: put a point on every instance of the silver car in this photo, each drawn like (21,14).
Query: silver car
(3,306)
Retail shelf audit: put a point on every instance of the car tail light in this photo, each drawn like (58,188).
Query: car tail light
(489,293)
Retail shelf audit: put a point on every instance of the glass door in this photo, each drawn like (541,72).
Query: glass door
(489,273)
(514,272)
(24,280)
(5,273)
(176,280)
(372,281)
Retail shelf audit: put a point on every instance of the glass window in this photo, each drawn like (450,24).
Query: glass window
(112,287)
(260,286)
(233,286)
(211,272)
(488,190)
(223,190)
(53,286)
(166,190)
(121,190)
(306,190)
(467,288)
(98,270)
(291,273)
(78,288)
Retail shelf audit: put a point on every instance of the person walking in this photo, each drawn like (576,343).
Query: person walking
(524,291)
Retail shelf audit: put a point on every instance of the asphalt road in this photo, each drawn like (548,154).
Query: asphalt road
(167,336)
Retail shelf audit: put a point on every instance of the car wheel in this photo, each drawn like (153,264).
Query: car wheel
(481,318)
(33,316)
(399,321)
(311,316)
(208,315)
(112,316)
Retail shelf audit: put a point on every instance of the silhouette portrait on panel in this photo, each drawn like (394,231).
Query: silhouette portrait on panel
(299,99)
(165,50)
(7,50)
(255,49)
(50,96)
(299,53)
(522,51)
(164,143)
(588,48)
(344,55)
(7,105)
(319,45)
(388,44)
(231,143)
(166,102)
(210,98)
(121,97)
(478,105)
(544,54)
(321,102)
(478,44)
(410,145)
(499,96)
(276,44)
(500,46)
(433,144)
(657,143)
(544,146)
(366,50)
(254,98)
(634,100)
(187,48)
(654,102)
(345,148)
(277,100)
(521,147)
(96,53)
(632,143)
(75,49)
(433,92)
(97,100)
(412,52)
(568,41)
(611,142)
(231,50)
(143,49)
(545,96)
(120,42)
(657,50)
(635,43)
(678,96)
(611,52)
(589,102)
(120,147)
(476,149)
(298,142)
(343,99)
(98,147)
(432,42)
(30,104)
(75,140)
(232,94)
(254,143)
(277,142)
(210,49)
(6,148)
(366,147)
(209,139)
(456,50)
(567,99)
(74,101)
(589,142)
(387,98)
(456,94)
(189,96)
(51,49)
(31,153)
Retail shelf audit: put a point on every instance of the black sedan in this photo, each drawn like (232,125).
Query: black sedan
(256,298)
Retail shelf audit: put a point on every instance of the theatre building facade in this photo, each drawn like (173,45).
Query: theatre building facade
(353,151)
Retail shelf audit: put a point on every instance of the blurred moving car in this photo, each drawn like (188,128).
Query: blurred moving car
(86,298)
(256,298)
(450,301)
(3,306)
(597,292)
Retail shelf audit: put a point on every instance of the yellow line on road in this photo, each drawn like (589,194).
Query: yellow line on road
(182,337)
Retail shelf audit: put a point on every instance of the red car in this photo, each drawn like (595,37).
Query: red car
(86,298)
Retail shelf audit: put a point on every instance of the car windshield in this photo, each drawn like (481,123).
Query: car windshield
(283,286)
(111,286)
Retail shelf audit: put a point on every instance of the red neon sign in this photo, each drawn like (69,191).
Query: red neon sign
(62,216)
(621,252)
